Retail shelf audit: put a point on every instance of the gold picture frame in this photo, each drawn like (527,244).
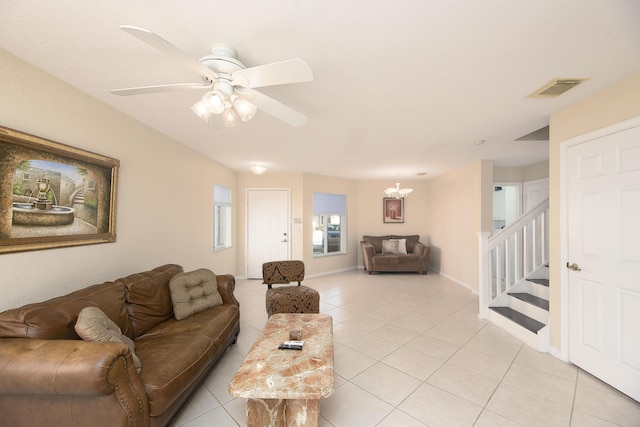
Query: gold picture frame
(54,195)
(392,210)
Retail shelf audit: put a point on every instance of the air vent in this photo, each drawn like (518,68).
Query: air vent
(556,87)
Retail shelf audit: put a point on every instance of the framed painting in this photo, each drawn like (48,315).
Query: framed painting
(392,210)
(54,195)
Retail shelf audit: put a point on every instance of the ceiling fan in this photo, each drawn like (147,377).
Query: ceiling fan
(230,95)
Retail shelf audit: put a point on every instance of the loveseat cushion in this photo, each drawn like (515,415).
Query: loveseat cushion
(94,325)
(148,298)
(410,258)
(176,352)
(390,246)
(402,246)
(376,241)
(56,318)
(193,292)
(386,259)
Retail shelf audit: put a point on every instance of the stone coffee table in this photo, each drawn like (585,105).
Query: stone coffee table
(283,387)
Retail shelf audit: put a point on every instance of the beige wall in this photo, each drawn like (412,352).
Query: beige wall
(460,205)
(163,210)
(533,172)
(610,106)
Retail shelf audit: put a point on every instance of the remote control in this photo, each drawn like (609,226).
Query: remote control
(291,345)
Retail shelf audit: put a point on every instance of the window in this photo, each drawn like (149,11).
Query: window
(221,217)
(329,223)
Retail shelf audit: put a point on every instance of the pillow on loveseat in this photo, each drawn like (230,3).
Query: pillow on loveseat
(94,325)
(390,246)
(193,292)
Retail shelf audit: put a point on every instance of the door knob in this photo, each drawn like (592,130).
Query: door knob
(573,267)
(284,241)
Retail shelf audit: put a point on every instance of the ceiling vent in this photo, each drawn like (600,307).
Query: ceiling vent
(556,87)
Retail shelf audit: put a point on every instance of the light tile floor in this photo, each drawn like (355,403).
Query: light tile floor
(411,351)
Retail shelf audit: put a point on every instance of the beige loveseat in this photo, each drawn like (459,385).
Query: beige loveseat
(49,376)
(395,253)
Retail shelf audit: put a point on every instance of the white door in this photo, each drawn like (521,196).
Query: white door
(604,244)
(267,229)
(535,192)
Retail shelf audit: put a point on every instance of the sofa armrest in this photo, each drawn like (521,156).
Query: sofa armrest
(424,251)
(420,249)
(226,286)
(368,251)
(63,375)
(64,367)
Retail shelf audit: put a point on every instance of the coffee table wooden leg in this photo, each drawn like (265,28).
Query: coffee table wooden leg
(302,413)
(266,412)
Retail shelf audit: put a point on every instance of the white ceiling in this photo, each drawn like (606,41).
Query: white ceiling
(399,87)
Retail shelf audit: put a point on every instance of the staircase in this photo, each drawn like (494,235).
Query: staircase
(78,197)
(514,279)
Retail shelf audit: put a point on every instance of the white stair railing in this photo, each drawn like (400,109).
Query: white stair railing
(513,253)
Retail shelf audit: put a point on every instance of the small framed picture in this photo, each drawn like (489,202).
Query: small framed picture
(392,210)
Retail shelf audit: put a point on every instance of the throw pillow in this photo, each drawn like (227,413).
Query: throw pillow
(193,292)
(94,325)
(402,246)
(390,246)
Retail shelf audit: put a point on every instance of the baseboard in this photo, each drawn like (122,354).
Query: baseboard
(558,354)
(453,279)
(328,273)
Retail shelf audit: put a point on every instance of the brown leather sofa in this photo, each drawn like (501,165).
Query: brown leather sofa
(51,377)
(378,256)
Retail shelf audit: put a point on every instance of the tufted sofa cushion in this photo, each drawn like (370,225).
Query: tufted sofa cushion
(193,292)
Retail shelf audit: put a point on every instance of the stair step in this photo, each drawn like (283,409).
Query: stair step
(531,299)
(543,282)
(519,318)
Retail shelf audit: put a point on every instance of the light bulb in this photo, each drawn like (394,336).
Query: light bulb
(244,108)
(257,169)
(214,101)
(201,110)
(230,118)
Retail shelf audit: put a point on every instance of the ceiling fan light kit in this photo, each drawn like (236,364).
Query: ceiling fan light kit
(229,83)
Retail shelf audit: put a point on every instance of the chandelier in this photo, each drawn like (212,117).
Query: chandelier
(397,192)
(222,100)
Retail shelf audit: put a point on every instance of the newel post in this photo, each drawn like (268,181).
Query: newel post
(484,279)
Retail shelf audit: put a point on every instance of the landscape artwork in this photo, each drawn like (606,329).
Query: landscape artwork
(53,195)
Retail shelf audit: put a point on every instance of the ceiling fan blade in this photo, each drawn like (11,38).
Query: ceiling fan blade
(277,73)
(160,88)
(274,108)
(162,45)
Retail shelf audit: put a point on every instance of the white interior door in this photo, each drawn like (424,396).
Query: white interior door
(267,228)
(604,243)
